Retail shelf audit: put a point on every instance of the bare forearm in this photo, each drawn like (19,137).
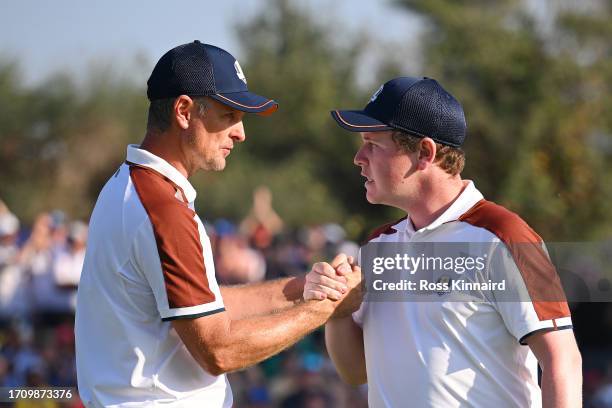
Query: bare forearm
(344,341)
(562,386)
(225,342)
(254,339)
(262,298)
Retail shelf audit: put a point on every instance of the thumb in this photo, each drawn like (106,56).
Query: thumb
(338,260)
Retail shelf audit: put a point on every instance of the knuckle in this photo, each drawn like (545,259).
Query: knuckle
(332,293)
(327,271)
(324,280)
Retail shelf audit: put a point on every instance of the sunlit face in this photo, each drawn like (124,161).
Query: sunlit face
(211,137)
(386,167)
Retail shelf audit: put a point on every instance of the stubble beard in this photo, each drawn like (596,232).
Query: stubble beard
(202,162)
(214,164)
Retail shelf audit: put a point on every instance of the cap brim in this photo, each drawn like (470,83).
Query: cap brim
(358,121)
(247,102)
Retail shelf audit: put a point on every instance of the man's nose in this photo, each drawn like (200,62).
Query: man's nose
(237,133)
(359,158)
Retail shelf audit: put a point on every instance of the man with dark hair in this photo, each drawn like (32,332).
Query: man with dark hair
(438,350)
(152,325)
(160,112)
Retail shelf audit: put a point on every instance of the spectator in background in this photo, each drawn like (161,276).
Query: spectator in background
(9,228)
(35,378)
(35,258)
(236,261)
(19,350)
(58,230)
(13,299)
(262,223)
(68,261)
(50,303)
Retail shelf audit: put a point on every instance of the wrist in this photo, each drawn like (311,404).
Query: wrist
(324,308)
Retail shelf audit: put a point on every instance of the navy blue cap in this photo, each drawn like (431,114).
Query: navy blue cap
(197,69)
(419,106)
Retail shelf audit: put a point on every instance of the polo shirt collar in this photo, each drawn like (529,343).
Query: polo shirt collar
(145,158)
(466,200)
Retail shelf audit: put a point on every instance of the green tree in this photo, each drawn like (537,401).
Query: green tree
(538,139)
(59,142)
(299,152)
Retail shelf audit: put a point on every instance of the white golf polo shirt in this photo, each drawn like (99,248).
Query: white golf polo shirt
(458,354)
(148,261)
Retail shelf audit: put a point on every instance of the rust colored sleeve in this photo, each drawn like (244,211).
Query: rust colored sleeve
(177,238)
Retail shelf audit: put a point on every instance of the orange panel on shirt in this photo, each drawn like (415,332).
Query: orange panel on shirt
(382,230)
(177,238)
(538,272)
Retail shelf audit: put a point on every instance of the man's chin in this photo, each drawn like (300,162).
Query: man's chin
(216,165)
(371,198)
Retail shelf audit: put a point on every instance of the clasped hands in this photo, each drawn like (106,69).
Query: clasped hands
(339,281)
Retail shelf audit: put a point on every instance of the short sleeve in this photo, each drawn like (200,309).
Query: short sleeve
(532,300)
(171,249)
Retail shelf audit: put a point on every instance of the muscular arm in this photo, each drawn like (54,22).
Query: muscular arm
(561,365)
(262,298)
(220,344)
(344,341)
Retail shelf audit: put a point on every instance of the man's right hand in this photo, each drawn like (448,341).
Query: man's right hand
(339,281)
(347,267)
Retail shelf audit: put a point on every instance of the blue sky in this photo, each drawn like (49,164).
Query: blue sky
(70,35)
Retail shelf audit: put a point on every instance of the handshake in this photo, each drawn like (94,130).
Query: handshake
(338,282)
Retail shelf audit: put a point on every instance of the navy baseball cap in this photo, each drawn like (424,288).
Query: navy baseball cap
(419,106)
(197,69)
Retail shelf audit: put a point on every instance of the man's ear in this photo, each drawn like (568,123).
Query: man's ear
(182,111)
(427,153)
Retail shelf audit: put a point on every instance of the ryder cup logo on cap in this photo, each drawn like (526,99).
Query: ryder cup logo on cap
(197,69)
(419,106)
(378,91)
(239,72)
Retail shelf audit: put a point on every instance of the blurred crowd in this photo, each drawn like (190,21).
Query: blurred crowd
(39,274)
